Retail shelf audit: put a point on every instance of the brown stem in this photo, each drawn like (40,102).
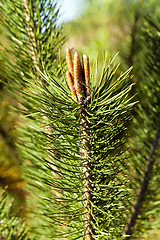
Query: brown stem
(87,171)
(144,187)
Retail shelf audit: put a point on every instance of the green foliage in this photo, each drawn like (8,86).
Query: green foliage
(53,155)
(50,134)
(132,27)
(32,33)
(28,30)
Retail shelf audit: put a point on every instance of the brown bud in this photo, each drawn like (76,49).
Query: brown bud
(69,61)
(71,85)
(78,77)
(86,73)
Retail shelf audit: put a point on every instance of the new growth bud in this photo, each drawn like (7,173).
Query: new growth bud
(78,77)
(86,73)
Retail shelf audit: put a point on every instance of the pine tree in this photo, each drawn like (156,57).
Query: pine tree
(72,135)
(72,131)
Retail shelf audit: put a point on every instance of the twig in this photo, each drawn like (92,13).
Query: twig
(32,40)
(144,187)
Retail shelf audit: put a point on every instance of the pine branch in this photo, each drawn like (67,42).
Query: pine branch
(73,151)
(30,30)
(87,135)
(144,187)
(78,82)
(30,42)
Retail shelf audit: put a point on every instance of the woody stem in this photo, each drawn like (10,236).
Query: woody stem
(144,186)
(87,171)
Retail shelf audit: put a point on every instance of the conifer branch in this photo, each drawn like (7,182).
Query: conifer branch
(79,86)
(144,187)
(32,41)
